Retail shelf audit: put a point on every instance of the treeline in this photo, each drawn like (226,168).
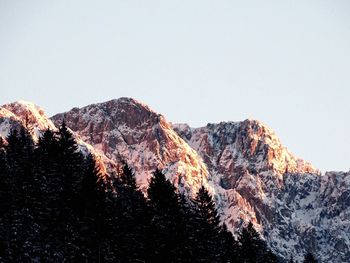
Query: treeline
(55,207)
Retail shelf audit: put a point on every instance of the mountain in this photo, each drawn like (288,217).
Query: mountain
(30,116)
(22,113)
(128,130)
(296,208)
(252,176)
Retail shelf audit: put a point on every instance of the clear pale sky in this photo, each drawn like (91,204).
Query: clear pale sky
(286,63)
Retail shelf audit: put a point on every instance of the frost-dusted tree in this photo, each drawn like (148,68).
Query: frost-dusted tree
(59,169)
(127,177)
(309,258)
(92,187)
(207,224)
(19,217)
(132,215)
(47,174)
(4,191)
(91,213)
(70,160)
(252,249)
(228,246)
(4,200)
(48,178)
(162,193)
(166,223)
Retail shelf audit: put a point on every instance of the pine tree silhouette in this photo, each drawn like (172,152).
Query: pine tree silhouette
(5,201)
(253,248)
(19,218)
(133,218)
(208,228)
(309,258)
(56,207)
(91,213)
(228,246)
(166,221)
(70,163)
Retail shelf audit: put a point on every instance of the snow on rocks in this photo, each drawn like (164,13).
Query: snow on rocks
(250,174)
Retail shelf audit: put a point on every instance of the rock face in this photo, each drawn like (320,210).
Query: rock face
(295,207)
(128,130)
(249,163)
(22,113)
(26,114)
(313,213)
(244,165)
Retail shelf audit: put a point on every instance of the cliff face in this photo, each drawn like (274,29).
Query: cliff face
(251,175)
(296,208)
(128,130)
(253,171)
(23,114)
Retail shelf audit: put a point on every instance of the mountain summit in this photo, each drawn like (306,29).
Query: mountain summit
(126,129)
(251,175)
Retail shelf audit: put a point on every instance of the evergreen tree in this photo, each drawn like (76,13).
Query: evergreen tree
(59,169)
(162,193)
(127,178)
(48,175)
(208,228)
(309,258)
(166,225)
(49,178)
(4,191)
(4,200)
(28,197)
(133,219)
(228,245)
(70,163)
(19,217)
(92,198)
(186,247)
(55,207)
(250,244)
(252,248)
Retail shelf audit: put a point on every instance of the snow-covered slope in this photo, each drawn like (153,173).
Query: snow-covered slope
(250,173)
(23,113)
(128,130)
(248,161)
(33,118)
(252,176)
(313,213)
(289,201)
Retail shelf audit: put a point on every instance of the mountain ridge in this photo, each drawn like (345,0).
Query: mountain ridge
(251,175)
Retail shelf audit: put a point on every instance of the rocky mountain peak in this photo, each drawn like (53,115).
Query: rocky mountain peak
(250,174)
(33,118)
(23,113)
(249,144)
(125,129)
(30,112)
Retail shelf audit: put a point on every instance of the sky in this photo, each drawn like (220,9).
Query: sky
(285,63)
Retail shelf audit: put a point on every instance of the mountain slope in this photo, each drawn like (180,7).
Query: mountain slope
(247,169)
(244,165)
(33,118)
(128,130)
(23,113)
(286,198)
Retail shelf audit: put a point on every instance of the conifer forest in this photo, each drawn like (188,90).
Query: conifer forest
(57,207)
